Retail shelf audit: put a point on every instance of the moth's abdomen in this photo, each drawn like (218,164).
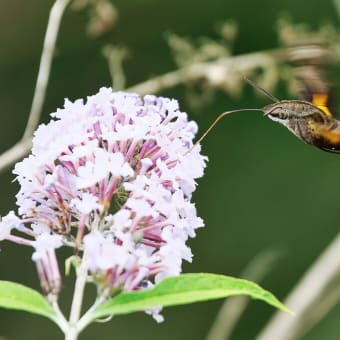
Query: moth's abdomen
(326,137)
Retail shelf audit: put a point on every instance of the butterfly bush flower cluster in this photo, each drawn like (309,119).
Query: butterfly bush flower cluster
(113,180)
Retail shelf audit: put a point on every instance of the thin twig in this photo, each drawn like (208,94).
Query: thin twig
(233,307)
(302,299)
(319,310)
(115,56)
(13,154)
(52,30)
(21,148)
(215,71)
(87,318)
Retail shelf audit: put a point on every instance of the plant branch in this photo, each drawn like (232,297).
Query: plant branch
(14,153)
(60,319)
(311,288)
(115,56)
(52,30)
(22,147)
(73,331)
(87,318)
(215,72)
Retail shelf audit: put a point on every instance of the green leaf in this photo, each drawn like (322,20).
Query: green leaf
(16,296)
(184,289)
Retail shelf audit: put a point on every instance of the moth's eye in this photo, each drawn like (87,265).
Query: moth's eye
(278,111)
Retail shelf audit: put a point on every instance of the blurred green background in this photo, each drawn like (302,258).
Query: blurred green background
(263,188)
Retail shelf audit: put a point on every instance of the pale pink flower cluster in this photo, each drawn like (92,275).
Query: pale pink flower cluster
(112,178)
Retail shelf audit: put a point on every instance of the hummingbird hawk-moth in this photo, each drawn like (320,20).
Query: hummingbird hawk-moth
(311,121)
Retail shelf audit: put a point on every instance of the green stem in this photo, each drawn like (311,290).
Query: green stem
(87,318)
(60,319)
(73,330)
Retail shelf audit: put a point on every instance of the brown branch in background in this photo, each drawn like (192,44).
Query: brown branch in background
(226,73)
(303,300)
(115,56)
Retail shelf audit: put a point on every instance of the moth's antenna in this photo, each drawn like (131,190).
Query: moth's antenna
(262,90)
(214,124)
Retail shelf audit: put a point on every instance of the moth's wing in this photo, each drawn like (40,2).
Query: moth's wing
(315,87)
(312,60)
(312,67)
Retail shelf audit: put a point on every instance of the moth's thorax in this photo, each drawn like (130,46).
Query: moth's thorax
(288,109)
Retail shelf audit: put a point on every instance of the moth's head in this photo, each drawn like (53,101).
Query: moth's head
(279,112)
